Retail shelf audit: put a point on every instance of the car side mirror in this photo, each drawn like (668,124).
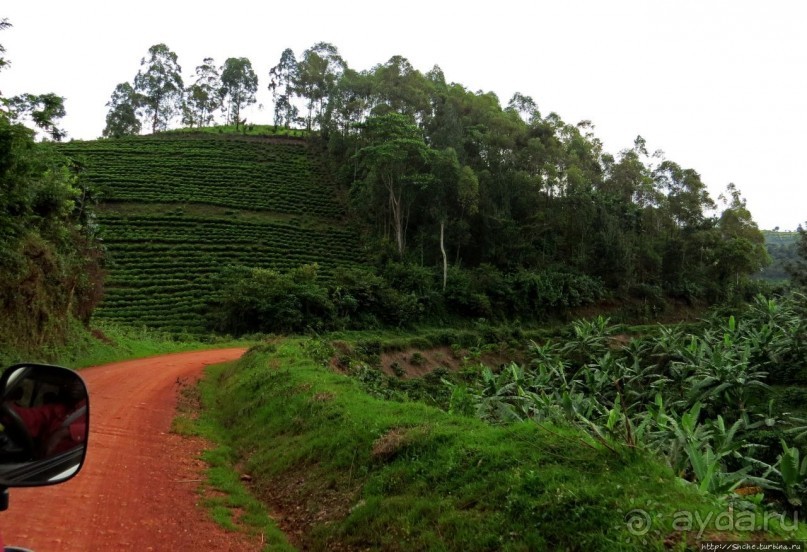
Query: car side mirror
(44,425)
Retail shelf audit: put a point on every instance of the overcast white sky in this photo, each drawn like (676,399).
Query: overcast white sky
(720,86)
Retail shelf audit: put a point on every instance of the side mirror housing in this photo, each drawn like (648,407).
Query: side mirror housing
(44,425)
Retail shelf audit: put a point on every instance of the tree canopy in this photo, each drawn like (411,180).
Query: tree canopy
(457,178)
(238,86)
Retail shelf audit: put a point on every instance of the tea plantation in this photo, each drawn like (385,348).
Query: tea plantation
(177,209)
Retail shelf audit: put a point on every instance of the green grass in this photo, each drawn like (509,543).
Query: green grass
(230,504)
(112,342)
(365,473)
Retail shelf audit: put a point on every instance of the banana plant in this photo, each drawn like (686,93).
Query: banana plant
(673,435)
(591,339)
(792,471)
(709,471)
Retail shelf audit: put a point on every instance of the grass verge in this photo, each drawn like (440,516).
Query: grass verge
(350,471)
(224,493)
(108,342)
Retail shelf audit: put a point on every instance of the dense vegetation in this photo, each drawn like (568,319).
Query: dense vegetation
(798,267)
(361,471)
(719,403)
(782,250)
(50,269)
(459,177)
(441,177)
(702,399)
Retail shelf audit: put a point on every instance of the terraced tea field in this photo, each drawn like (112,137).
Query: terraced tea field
(226,171)
(178,209)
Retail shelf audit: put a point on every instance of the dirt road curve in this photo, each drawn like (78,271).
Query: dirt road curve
(137,490)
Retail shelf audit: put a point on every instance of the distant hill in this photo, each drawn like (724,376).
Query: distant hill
(781,247)
(178,208)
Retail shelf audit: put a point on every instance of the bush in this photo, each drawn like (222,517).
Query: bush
(534,294)
(418,282)
(464,298)
(365,300)
(261,300)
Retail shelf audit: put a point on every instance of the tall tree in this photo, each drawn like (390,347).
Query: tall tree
(453,193)
(317,74)
(122,119)
(238,86)
(525,106)
(742,251)
(281,83)
(159,85)
(203,97)
(397,158)
(399,87)
(798,269)
(350,101)
(44,110)
(4,24)
(687,196)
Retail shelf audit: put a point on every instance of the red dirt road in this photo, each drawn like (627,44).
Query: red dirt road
(137,490)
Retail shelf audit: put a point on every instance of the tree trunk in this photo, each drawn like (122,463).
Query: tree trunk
(397,217)
(443,251)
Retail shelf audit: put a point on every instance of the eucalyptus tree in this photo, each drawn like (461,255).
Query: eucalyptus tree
(453,193)
(630,177)
(742,246)
(686,195)
(122,118)
(396,159)
(350,101)
(4,24)
(281,83)
(44,110)
(798,269)
(159,86)
(238,86)
(525,106)
(446,127)
(203,97)
(317,74)
(399,87)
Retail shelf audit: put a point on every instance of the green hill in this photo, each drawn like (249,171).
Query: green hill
(781,247)
(177,209)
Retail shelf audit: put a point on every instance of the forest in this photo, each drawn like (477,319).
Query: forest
(469,208)
(476,208)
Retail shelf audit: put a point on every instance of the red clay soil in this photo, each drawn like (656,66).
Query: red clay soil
(138,487)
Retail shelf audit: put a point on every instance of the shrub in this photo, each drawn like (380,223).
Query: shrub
(365,300)
(464,298)
(536,293)
(268,301)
